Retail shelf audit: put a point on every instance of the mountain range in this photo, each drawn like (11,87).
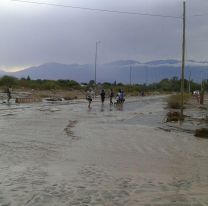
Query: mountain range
(119,71)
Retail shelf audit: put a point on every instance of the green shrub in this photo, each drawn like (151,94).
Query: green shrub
(174,101)
(8,81)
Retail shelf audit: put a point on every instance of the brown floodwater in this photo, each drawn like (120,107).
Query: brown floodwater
(64,154)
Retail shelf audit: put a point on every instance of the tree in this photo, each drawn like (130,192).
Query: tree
(120,84)
(8,81)
(28,78)
(91,83)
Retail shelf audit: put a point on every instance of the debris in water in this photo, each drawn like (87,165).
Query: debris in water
(203,133)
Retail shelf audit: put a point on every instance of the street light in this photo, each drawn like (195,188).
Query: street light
(96,51)
(130,75)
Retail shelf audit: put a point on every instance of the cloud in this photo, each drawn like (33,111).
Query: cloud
(35,34)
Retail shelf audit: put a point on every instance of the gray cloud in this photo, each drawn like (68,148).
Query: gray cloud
(35,34)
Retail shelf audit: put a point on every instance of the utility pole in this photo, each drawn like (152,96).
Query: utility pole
(146,76)
(189,85)
(130,75)
(96,50)
(201,82)
(183,58)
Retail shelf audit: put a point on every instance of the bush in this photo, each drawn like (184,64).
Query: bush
(49,84)
(174,101)
(173,117)
(8,81)
(203,133)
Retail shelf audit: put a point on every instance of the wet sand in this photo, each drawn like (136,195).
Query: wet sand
(67,155)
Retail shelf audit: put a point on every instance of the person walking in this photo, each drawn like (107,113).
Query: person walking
(102,95)
(9,96)
(111,95)
(89,98)
(122,96)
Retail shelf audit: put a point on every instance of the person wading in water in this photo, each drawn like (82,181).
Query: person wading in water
(102,95)
(111,95)
(89,98)
(9,96)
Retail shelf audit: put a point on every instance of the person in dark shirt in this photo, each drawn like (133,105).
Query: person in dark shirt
(102,95)
(9,96)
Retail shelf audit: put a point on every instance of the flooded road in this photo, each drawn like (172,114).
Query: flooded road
(69,155)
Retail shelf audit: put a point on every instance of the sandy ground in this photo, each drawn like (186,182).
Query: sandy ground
(63,154)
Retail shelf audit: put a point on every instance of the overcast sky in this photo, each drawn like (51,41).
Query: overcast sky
(33,34)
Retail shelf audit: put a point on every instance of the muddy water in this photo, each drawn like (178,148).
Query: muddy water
(53,155)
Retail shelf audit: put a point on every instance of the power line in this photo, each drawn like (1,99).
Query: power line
(98,10)
(198,15)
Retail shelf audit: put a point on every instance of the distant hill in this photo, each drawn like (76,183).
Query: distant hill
(119,71)
(162,62)
(54,71)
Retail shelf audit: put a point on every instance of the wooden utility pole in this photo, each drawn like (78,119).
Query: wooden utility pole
(183,58)
(189,84)
(201,82)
